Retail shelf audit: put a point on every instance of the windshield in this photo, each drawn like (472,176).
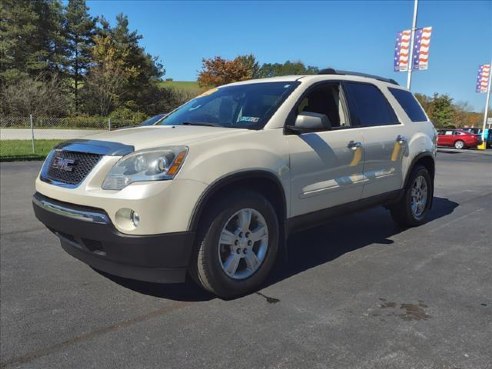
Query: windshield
(242,106)
(152,120)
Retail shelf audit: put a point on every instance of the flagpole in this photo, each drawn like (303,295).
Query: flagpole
(484,144)
(412,39)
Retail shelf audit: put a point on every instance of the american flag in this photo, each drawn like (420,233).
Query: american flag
(402,48)
(421,48)
(483,78)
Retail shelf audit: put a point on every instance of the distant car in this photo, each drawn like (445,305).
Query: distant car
(478,132)
(153,120)
(457,138)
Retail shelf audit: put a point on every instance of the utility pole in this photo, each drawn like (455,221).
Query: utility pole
(412,39)
(484,144)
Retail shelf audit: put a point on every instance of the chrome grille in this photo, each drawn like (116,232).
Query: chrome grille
(71,167)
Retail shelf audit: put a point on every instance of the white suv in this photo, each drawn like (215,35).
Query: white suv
(214,190)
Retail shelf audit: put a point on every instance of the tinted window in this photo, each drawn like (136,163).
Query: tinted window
(409,104)
(368,106)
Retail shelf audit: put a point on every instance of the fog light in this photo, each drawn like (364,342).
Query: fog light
(127,219)
(135,218)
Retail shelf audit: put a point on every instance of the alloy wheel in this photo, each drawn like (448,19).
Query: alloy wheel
(243,244)
(419,197)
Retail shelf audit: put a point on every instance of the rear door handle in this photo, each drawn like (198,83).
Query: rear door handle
(354,145)
(401,139)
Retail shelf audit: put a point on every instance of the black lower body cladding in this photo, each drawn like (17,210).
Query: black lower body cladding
(161,258)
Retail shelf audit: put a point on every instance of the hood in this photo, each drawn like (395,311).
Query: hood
(154,136)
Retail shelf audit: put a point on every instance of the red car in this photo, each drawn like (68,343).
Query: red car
(457,138)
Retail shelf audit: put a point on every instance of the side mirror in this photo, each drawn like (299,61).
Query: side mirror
(310,122)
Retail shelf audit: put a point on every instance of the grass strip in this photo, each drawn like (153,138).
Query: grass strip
(21,150)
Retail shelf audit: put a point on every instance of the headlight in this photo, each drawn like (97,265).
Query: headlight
(146,165)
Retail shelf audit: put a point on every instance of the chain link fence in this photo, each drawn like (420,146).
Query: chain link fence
(33,137)
(65,123)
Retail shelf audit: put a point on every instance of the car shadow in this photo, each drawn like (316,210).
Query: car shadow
(187,291)
(305,250)
(310,248)
(449,151)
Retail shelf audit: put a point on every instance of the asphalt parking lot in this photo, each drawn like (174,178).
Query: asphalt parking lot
(356,293)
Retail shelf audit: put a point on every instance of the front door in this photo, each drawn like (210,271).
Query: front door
(326,167)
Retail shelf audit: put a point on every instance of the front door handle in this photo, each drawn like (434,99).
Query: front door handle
(354,145)
(401,139)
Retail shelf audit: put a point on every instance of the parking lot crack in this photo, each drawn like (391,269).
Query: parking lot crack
(92,334)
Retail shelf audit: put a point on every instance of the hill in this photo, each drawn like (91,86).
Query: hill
(189,86)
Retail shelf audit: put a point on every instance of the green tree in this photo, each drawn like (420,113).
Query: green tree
(442,111)
(423,100)
(285,69)
(251,64)
(143,71)
(107,77)
(31,39)
(79,31)
(129,74)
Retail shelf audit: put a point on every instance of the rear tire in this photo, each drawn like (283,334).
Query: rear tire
(236,246)
(411,210)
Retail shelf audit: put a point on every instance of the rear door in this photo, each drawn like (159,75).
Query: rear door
(385,138)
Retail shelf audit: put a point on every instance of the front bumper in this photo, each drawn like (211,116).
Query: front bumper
(88,235)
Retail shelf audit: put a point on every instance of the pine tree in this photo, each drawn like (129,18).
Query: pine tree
(129,74)
(79,31)
(31,39)
(142,69)
(17,24)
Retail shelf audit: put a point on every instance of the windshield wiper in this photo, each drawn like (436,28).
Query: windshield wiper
(201,124)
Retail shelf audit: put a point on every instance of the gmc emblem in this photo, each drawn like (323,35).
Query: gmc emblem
(63,164)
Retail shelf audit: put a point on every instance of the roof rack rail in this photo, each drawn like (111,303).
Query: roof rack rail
(344,72)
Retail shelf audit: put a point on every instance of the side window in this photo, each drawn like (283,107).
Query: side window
(449,133)
(409,104)
(368,106)
(326,99)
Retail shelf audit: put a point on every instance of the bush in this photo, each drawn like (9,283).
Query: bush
(38,96)
(84,122)
(127,115)
(174,97)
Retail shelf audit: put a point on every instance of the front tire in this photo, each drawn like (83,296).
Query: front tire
(237,245)
(411,210)
(459,145)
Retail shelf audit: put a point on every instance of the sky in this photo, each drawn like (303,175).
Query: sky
(348,35)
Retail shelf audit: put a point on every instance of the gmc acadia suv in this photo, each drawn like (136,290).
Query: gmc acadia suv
(215,188)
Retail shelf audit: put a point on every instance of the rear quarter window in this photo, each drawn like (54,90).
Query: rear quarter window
(409,104)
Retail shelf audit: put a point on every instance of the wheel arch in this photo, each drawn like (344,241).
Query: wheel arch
(426,159)
(261,181)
